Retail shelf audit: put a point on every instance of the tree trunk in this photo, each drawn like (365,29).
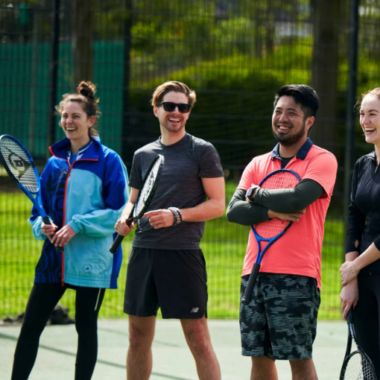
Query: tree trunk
(127,148)
(82,24)
(325,64)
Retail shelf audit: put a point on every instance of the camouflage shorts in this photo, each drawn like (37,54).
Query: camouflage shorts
(280,320)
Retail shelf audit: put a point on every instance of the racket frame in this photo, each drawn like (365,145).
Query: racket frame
(348,355)
(260,253)
(37,199)
(132,218)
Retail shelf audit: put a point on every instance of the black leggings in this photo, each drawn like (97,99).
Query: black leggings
(42,301)
(367,317)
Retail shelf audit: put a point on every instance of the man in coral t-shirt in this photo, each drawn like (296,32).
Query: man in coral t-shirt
(279,322)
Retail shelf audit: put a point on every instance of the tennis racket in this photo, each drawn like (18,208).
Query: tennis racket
(356,365)
(271,230)
(146,194)
(20,166)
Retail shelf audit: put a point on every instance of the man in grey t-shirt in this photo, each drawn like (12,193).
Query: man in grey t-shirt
(166,267)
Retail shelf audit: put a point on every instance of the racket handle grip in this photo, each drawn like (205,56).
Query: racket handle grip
(119,238)
(251,283)
(116,243)
(46,220)
(350,316)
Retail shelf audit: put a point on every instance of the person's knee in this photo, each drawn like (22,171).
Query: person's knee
(262,362)
(198,341)
(303,369)
(86,329)
(140,335)
(33,326)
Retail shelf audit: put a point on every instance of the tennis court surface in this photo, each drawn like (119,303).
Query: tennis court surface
(171,357)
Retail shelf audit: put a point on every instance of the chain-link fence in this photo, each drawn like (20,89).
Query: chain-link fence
(234,54)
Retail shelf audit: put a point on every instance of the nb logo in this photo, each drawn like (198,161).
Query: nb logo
(194,310)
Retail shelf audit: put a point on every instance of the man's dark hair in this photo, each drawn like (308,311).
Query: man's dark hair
(304,95)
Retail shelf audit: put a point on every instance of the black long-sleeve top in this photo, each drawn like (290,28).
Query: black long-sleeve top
(282,200)
(364,208)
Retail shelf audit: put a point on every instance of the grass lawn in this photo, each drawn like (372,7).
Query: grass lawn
(223,246)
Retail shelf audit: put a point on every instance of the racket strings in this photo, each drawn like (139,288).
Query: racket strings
(280,180)
(19,164)
(147,188)
(358,368)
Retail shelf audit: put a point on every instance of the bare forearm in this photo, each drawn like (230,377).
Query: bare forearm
(211,209)
(351,256)
(127,210)
(131,201)
(370,255)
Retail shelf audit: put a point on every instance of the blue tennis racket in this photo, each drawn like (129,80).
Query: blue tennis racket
(266,233)
(20,166)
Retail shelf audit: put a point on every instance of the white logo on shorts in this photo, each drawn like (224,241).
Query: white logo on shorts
(194,310)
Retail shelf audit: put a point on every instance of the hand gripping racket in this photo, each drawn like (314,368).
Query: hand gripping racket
(271,230)
(20,166)
(356,365)
(146,194)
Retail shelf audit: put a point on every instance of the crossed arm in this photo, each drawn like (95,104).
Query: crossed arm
(286,204)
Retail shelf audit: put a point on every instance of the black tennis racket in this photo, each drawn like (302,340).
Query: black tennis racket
(20,166)
(146,194)
(356,365)
(271,230)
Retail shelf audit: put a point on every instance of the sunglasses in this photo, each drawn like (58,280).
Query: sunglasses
(170,107)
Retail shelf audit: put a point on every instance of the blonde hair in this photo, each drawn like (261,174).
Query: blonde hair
(174,86)
(86,96)
(375,92)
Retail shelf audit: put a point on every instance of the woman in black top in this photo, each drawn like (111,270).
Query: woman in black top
(361,271)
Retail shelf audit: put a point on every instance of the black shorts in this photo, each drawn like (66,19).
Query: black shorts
(280,320)
(172,280)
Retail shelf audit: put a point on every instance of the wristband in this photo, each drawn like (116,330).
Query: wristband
(252,190)
(177,216)
(174,216)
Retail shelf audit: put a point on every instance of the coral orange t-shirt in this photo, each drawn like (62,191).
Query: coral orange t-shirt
(299,250)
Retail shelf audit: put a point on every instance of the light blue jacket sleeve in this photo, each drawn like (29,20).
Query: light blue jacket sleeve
(99,223)
(36,220)
(36,228)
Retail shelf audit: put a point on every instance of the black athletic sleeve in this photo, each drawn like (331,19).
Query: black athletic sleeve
(356,218)
(246,213)
(290,200)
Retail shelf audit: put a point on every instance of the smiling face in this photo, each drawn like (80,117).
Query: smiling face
(76,124)
(288,122)
(370,119)
(172,122)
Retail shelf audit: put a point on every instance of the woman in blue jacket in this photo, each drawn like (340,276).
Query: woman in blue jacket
(84,189)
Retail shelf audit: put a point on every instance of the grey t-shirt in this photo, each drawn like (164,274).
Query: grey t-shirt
(186,163)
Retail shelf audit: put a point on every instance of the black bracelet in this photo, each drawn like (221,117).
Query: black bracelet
(175,220)
(177,215)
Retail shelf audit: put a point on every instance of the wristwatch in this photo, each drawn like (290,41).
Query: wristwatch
(251,193)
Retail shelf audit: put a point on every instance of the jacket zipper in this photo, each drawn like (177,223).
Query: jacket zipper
(63,223)
(64,213)
(64,205)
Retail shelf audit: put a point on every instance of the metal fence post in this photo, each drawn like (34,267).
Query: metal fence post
(350,115)
(53,70)
(125,126)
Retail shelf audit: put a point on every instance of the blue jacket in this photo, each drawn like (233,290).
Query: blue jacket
(89,195)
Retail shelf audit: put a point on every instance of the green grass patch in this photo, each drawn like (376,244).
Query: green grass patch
(223,245)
